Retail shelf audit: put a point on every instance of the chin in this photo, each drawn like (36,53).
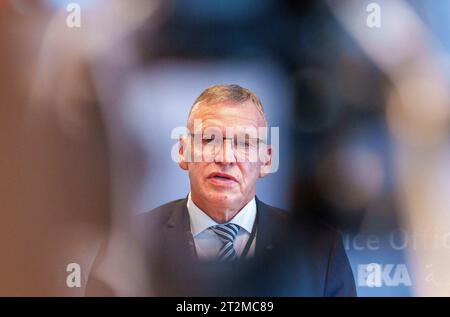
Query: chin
(223,199)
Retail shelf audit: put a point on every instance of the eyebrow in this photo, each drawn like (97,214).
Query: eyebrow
(264,140)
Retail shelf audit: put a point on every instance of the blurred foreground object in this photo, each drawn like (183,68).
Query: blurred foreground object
(418,116)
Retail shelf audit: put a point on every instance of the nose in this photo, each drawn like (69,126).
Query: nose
(226,154)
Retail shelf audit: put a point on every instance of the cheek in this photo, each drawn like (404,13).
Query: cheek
(250,173)
(196,171)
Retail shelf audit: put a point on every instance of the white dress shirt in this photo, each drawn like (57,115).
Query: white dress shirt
(207,243)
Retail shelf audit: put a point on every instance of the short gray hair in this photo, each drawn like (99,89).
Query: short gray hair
(233,93)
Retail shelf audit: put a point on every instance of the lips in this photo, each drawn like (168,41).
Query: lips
(222,177)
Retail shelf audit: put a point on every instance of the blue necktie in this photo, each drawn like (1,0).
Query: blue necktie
(227,233)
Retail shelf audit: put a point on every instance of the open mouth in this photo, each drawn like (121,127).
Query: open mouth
(222,177)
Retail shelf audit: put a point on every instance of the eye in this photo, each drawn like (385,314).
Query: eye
(208,140)
(243,144)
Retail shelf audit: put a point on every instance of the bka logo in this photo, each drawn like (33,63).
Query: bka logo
(377,275)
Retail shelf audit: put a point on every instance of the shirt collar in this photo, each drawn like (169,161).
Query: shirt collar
(200,221)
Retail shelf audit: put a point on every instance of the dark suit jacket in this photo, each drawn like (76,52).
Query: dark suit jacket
(291,258)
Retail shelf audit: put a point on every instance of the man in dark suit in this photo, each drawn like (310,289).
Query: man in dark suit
(290,259)
(221,239)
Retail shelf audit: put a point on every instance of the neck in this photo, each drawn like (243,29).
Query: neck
(221,215)
(218,213)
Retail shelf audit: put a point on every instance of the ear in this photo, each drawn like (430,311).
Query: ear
(266,162)
(183,152)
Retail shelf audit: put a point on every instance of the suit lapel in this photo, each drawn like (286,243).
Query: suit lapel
(187,276)
(180,243)
(177,234)
(265,230)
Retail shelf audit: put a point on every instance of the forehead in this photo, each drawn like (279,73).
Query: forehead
(228,114)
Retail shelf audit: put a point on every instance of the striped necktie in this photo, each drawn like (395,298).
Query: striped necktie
(227,233)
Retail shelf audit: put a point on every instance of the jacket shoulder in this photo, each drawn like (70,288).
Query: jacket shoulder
(274,213)
(155,219)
